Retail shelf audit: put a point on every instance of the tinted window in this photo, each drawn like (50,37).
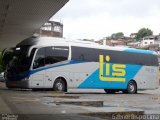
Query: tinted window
(19,62)
(50,55)
(39,60)
(92,55)
(56,54)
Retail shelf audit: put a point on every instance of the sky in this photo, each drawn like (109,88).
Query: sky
(96,19)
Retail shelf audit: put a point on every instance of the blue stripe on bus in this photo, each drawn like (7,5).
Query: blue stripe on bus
(30,72)
(70,62)
(93,81)
(139,51)
(54,66)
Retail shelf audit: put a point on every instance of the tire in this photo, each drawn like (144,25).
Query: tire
(60,85)
(131,88)
(109,91)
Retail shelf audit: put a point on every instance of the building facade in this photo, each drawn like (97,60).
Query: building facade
(148,40)
(51,29)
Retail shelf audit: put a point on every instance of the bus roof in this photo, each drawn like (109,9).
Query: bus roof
(52,41)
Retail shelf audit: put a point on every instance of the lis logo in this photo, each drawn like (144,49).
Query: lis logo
(114,72)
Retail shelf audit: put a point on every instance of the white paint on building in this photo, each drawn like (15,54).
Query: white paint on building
(148,40)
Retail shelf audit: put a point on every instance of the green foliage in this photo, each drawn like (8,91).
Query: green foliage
(143,32)
(118,35)
(1,66)
(2,63)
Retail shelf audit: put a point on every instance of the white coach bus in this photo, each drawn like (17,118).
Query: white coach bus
(47,62)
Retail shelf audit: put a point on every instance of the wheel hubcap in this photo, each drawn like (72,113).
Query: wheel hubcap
(59,86)
(131,87)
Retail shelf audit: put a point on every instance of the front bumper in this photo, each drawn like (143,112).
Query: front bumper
(17,84)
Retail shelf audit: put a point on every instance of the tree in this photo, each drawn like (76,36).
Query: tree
(5,59)
(1,67)
(113,36)
(143,32)
(118,35)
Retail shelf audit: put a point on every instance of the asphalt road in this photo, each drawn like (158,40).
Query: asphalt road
(148,100)
(30,105)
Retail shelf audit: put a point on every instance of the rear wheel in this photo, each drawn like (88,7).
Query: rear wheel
(131,88)
(60,85)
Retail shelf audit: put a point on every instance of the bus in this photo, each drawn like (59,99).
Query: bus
(61,64)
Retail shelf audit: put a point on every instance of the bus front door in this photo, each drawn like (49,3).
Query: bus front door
(38,80)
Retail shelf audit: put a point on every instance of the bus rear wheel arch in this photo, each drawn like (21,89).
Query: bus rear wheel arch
(131,87)
(60,85)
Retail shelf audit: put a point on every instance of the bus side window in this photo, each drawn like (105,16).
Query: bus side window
(55,54)
(81,57)
(39,59)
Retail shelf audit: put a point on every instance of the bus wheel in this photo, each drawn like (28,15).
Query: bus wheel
(131,87)
(109,91)
(60,85)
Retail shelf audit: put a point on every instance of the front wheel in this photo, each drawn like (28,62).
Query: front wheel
(60,85)
(131,88)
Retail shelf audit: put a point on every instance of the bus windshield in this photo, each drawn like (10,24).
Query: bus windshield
(20,62)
